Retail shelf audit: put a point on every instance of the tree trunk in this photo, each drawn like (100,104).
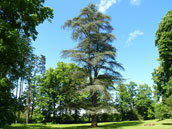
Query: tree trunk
(20,93)
(94,120)
(54,112)
(32,110)
(33,100)
(94,97)
(16,100)
(17,90)
(94,115)
(28,101)
(89,118)
(76,115)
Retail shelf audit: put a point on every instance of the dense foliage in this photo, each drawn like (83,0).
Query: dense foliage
(55,92)
(134,102)
(18,21)
(162,75)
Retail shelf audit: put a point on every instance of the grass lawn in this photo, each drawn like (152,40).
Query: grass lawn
(150,124)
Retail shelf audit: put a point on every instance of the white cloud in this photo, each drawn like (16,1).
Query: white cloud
(132,36)
(106,4)
(135,2)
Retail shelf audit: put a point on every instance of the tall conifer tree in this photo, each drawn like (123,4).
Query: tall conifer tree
(96,54)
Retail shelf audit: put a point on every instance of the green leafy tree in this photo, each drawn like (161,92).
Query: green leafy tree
(151,112)
(11,69)
(163,109)
(123,101)
(24,15)
(160,111)
(134,102)
(143,101)
(131,88)
(96,54)
(57,92)
(169,106)
(6,100)
(125,95)
(163,75)
(45,92)
(18,21)
(158,78)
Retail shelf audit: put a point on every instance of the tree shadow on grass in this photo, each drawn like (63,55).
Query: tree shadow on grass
(27,127)
(41,126)
(115,125)
(166,123)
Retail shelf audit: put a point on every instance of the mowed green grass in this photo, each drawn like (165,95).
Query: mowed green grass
(150,124)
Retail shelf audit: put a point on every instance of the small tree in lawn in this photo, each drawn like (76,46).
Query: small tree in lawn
(95,53)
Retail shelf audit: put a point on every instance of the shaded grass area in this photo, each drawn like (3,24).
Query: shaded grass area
(151,124)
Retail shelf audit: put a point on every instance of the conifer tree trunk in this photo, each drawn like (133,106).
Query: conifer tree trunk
(94,97)
(94,120)
(94,115)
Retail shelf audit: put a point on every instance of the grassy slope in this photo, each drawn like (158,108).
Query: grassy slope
(151,124)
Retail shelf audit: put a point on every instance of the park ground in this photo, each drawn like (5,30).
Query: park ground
(149,124)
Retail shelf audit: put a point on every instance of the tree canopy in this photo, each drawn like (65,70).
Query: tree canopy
(24,15)
(162,76)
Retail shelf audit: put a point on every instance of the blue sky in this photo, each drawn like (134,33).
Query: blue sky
(135,23)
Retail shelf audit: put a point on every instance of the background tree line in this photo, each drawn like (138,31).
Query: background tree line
(56,98)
